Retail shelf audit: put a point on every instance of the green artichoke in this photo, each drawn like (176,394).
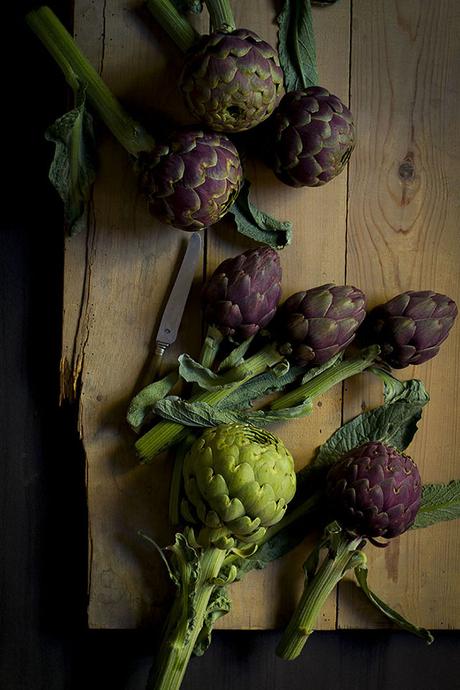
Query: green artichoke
(318,323)
(411,327)
(375,491)
(238,480)
(192,180)
(311,137)
(232,80)
(242,294)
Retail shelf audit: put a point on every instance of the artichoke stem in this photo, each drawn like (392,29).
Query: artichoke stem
(211,346)
(315,594)
(327,379)
(181,631)
(176,26)
(221,15)
(79,71)
(166,434)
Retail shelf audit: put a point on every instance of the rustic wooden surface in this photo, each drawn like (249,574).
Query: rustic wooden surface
(386,225)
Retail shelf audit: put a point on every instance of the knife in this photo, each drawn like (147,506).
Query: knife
(172,314)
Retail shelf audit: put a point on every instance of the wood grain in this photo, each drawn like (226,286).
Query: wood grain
(385,226)
(403,234)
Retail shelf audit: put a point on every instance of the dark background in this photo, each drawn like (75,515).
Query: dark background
(44,642)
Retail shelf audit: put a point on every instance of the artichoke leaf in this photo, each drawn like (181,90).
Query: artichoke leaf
(258,225)
(73,168)
(198,414)
(194,372)
(361,572)
(440,502)
(188,6)
(296,45)
(260,385)
(393,423)
(219,605)
(236,356)
(141,407)
(315,371)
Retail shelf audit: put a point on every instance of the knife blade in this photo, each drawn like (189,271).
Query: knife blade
(174,309)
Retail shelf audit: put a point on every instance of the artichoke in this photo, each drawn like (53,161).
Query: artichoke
(311,137)
(232,80)
(320,322)
(242,295)
(238,480)
(375,491)
(191,181)
(410,327)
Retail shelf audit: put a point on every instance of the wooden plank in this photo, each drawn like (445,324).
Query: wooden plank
(403,234)
(119,274)
(117,278)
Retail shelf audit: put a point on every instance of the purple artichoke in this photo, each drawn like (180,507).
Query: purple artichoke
(375,491)
(232,81)
(319,323)
(312,137)
(191,181)
(410,327)
(242,295)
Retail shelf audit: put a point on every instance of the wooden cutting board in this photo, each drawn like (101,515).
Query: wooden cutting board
(387,224)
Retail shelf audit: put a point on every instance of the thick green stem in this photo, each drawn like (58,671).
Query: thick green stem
(176,26)
(329,378)
(166,434)
(314,596)
(77,69)
(210,347)
(180,637)
(221,15)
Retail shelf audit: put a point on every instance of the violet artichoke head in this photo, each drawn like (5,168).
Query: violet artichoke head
(375,491)
(312,137)
(242,295)
(410,327)
(191,180)
(317,324)
(232,81)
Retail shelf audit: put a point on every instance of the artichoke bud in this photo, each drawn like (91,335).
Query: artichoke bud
(410,327)
(312,137)
(374,491)
(243,293)
(232,80)
(238,480)
(191,180)
(319,323)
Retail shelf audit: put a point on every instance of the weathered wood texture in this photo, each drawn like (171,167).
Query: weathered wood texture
(385,225)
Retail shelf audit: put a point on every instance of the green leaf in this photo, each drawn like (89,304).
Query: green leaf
(315,371)
(219,605)
(236,356)
(258,387)
(393,423)
(395,617)
(296,45)
(264,418)
(140,409)
(256,224)
(73,169)
(440,502)
(193,372)
(198,414)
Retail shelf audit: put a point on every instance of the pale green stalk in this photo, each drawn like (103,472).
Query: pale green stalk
(176,26)
(78,70)
(327,379)
(221,15)
(316,591)
(180,637)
